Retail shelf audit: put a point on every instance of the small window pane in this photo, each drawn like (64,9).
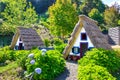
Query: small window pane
(83,36)
(75,50)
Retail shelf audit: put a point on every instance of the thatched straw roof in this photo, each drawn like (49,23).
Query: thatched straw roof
(29,37)
(92,30)
(45,33)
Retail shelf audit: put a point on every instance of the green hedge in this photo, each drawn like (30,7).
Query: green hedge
(94,72)
(101,57)
(97,64)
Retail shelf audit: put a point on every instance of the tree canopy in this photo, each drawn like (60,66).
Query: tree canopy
(88,5)
(19,13)
(112,16)
(62,17)
(41,6)
(96,15)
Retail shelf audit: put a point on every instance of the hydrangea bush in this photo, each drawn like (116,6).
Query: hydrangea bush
(47,66)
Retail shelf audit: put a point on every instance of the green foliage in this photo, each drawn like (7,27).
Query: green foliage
(96,15)
(112,16)
(47,42)
(3,57)
(11,55)
(6,29)
(2,6)
(11,65)
(59,45)
(19,13)
(41,6)
(57,41)
(101,57)
(21,57)
(119,22)
(62,17)
(5,48)
(94,72)
(88,5)
(51,64)
(60,48)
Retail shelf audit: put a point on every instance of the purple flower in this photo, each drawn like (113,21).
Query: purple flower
(31,55)
(38,70)
(32,61)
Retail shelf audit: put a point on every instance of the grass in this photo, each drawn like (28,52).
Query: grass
(8,67)
(11,71)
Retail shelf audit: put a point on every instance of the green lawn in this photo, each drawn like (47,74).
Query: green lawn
(11,71)
(8,67)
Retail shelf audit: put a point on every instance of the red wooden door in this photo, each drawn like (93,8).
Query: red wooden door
(83,48)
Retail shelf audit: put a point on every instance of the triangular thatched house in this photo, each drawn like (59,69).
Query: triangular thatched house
(85,35)
(26,38)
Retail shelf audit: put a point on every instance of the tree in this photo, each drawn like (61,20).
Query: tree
(62,17)
(96,15)
(88,5)
(2,7)
(112,16)
(41,6)
(19,13)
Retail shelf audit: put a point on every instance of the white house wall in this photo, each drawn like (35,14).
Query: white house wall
(18,41)
(78,40)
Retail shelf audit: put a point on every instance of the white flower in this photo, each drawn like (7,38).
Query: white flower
(25,72)
(32,61)
(43,51)
(38,70)
(31,55)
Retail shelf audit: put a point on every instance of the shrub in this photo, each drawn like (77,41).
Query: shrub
(5,48)
(58,42)
(47,42)
(3,57)
(60,48)
(94,72)
(51,64)
(10,55)
(21,57)
(101,57)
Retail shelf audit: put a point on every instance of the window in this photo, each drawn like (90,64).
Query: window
(76,50)
(83,36)
(16,47)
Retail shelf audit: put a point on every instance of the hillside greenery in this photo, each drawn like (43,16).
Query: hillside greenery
(59,16)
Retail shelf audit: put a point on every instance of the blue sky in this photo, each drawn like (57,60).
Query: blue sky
(110,2)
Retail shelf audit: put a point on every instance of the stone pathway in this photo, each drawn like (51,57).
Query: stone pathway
(70,72)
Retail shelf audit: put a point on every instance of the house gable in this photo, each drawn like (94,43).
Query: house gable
(28,36)
(92,30)
(79,40)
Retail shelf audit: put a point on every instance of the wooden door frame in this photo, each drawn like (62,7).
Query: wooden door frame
(20,46)
(81,48)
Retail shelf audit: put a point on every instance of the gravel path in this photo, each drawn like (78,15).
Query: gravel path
(70,72)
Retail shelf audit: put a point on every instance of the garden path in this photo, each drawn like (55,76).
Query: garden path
(70,72)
